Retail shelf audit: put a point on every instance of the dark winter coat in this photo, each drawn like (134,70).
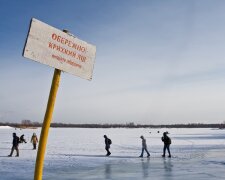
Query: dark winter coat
(16,141)
(166,140)
(107,143)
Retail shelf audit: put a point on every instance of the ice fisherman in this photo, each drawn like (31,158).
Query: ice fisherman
(22,140)
(144,147)
(108,142)
(167,141)
(15,145)
(34,140)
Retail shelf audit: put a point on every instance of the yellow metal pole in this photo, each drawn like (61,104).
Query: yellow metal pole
(45,127)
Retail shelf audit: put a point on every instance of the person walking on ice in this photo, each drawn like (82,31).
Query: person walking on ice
(167,141)
(144,147)
(108,142)
(34,140)
(15,146)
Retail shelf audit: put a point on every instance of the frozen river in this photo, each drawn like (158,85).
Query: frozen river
(74,153)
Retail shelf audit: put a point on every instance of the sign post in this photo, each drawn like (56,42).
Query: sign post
(50,46)
(46,125)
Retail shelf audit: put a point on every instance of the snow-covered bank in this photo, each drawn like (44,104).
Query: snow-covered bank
(5,127)
(79,154)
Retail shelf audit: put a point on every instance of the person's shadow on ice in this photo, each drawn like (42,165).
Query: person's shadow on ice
(168,167)
(107,171)
(145,167)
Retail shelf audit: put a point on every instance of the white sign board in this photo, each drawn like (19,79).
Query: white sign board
(53,47)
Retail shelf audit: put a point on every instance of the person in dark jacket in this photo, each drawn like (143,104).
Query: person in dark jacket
(107,145)
(22,140)
(15,145)
(144,147)
(167,141)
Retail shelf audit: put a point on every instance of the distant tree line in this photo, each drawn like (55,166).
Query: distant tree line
(29,124)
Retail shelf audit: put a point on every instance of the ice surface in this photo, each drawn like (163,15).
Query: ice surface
(80,154)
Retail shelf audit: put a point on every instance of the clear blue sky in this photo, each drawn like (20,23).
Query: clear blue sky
(157,62)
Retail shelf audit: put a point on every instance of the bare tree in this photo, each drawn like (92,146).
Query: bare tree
(26,122)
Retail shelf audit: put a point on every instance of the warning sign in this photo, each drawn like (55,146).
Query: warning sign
(53,47)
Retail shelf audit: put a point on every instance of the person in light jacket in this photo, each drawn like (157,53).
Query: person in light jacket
(34,140)
(144,147)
